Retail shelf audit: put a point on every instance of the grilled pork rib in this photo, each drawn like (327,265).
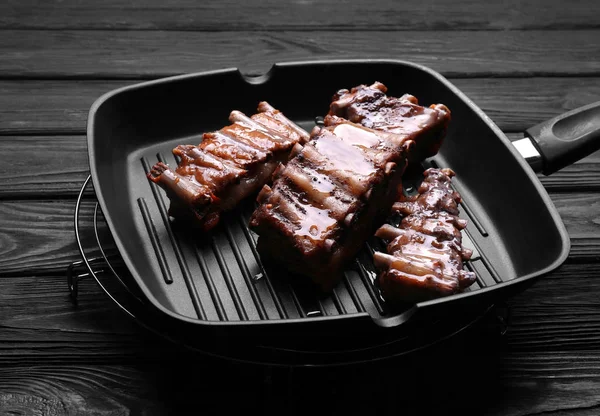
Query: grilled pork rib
(329,198)
(371,107)
(425,255)
(324,202)
(227,166)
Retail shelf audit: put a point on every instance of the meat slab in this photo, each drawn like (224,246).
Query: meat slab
(424,258)
(227,166)
(337,188)
(369,106)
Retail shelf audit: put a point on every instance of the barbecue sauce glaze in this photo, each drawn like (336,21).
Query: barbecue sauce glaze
(425,255)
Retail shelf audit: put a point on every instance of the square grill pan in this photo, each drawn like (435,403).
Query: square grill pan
(217,281)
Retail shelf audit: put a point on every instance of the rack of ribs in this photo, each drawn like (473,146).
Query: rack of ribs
(335,190)
(227,166)
(424,258)
(369,106)
(322,204)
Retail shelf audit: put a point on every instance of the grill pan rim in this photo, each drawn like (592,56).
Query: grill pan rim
(388,321)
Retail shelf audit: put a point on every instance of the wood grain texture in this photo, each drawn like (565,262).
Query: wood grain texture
(57,356)
(556,314)
(581,176)
(62,165)
(75,390)
(38,237)
(303,15)
(31,303)
(514,104)
(558,303)
(581,215)
(49,106)
(127,389)
(151,54)
(521,62)
(41,235)
(39,166)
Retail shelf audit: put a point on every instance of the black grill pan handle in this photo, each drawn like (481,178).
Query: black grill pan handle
(567,138)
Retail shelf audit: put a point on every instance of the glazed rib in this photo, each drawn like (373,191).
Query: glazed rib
(424,258)
(324,203)
(227,166)
(336,189)
(371,107)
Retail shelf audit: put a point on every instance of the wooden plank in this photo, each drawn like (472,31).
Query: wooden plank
(35,167)
(56,167)
(176,386)
(57,357)
(299,15)
(47,230)
(582,222)
(49,106)
(581,176)
(563,299)
(87,389)
(38,236)
(150,54)
(517,104)
(514,104)
(559,304)
(98,318)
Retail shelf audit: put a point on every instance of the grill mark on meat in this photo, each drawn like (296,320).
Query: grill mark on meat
(214,175)
(342,155)
(309,220)
(424,258)
(191,154)
(342,177)
(227,166)
(236,149)
(255,138)
(319,190)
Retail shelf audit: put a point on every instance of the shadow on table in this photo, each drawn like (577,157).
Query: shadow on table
(462,374)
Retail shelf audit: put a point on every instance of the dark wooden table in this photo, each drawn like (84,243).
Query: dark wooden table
(521,63)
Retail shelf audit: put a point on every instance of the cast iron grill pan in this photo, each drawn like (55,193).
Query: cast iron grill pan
(225,279)
(217,280)
(119,286)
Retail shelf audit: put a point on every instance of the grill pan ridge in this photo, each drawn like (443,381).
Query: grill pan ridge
(218,280)
(119,288)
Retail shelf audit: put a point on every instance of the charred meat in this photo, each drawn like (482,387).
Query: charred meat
(424,258)
(227,166)
(369,106)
